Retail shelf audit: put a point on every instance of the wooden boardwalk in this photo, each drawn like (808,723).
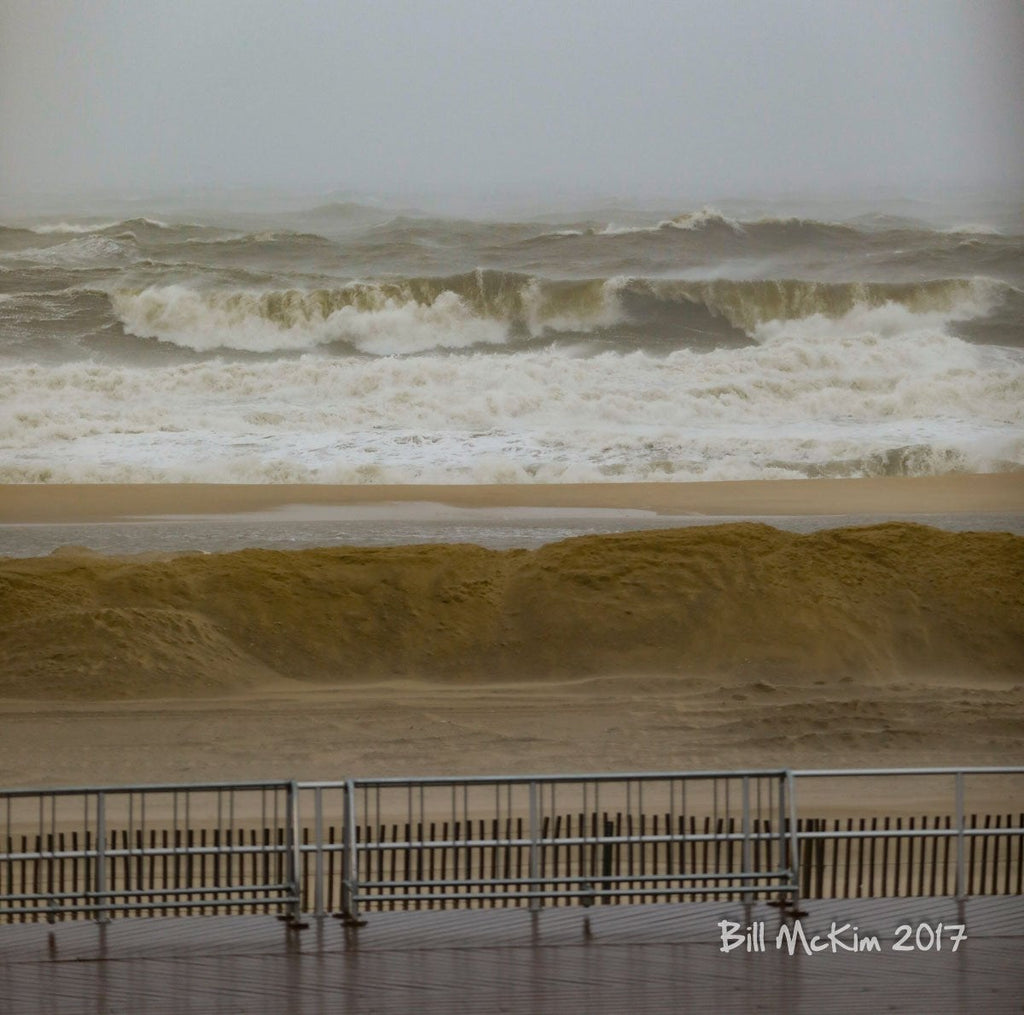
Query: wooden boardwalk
(608,959)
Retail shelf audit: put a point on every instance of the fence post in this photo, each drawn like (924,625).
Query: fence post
(350,882)
(960,843)
(100,884)
(535,902)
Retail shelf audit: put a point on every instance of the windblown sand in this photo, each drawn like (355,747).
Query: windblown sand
(688,648)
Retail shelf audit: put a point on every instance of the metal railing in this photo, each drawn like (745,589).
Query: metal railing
(358,845)
(550,838)
(133,849)
(954,781)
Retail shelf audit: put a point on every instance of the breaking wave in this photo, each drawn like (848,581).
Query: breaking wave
(98,227)
(493,308)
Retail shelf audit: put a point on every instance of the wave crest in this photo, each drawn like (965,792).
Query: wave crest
(492,307)
(378,318)
(370,319)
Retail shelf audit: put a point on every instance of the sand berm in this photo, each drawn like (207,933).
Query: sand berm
(737,602)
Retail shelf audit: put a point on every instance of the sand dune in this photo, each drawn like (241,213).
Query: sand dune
(739,604)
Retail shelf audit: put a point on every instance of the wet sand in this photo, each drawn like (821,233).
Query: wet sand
(997,492)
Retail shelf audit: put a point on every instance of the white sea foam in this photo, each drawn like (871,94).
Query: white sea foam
(252,321)
(91,227)
(543,314)
(974,229)
(702,219)
(690,221)
(81,252)
(815,396)
(74,227)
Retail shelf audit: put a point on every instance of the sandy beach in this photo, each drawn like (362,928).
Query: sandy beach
(706,647)
(883,496)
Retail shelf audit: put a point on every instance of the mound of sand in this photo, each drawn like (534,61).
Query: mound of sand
(739,603)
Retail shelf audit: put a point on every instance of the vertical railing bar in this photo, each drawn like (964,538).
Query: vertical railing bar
(318,831)
(350,887)
(534,854)
(960,843)
(794,858)
(101,855)
(585,834)
(294,852)
(745,859)
(682,823)
(781,817)
(672,820)
(130,839)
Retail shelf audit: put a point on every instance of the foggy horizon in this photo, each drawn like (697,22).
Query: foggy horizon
(478,104)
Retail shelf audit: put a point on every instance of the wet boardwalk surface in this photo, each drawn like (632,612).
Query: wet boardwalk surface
(615,959)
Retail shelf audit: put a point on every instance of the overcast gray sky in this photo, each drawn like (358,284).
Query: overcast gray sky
(630,98)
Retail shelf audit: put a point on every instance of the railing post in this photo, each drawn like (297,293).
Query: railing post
(745,857)
(350,882)
(961,853)
(318,832)
(294,852)
(101,857)
(535,902)
(794,839)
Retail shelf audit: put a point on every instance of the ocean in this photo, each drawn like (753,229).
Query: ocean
(348,342)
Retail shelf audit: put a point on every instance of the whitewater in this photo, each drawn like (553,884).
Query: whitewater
(352,343)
